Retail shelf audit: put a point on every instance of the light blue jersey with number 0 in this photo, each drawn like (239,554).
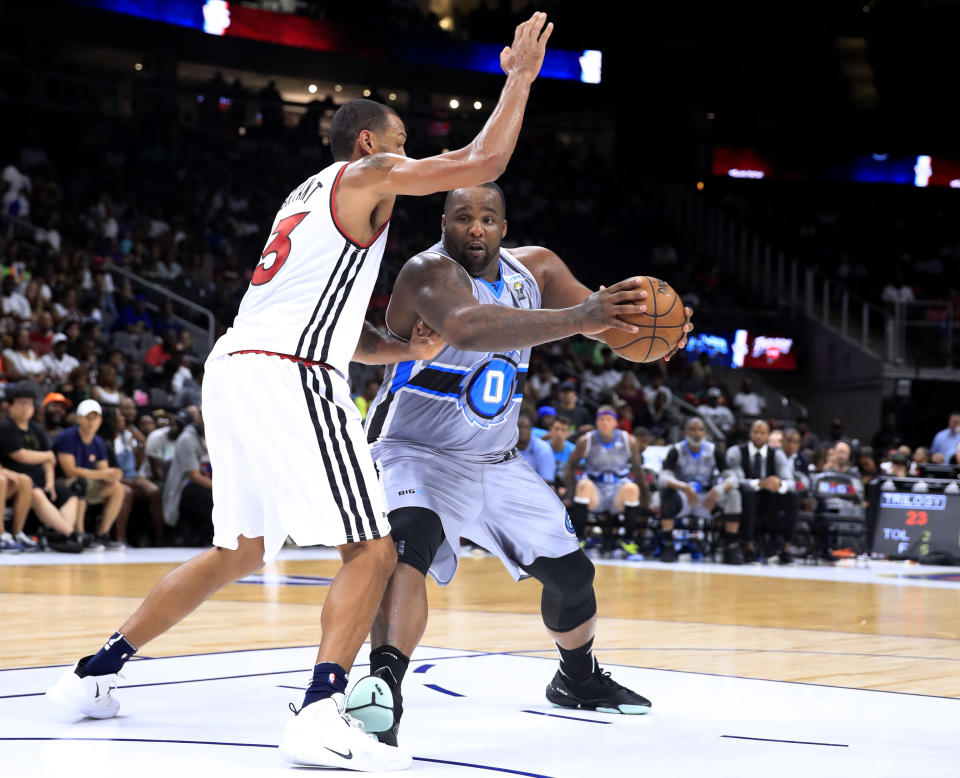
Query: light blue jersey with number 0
(465,403)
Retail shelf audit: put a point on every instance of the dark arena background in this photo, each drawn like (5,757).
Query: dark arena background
(791,170)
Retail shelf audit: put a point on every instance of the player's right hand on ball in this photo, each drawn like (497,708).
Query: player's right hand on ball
(525,56)
(601,310)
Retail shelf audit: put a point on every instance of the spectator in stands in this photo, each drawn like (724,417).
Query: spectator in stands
(82,457)
(160,445)
(694,480)
(763,475)
(21,362)
(630,391)
(537,452)
(749,402)
(129,450)
(365,400)
(55,408)
(134,317)
(542,382)
(161,351)
(662,417)
(867,465)
(899,464)
(77,387)
(106,392)
(133,380)
(776,439)
(598,382)
(655,387)
(545,416)
(560,447)
(146,424)
(188,491)
(41,339)
(921,456)
(945,441)
(809,440)
(13,303)
(25,448)
(569,405)
(839,459)
(719,414)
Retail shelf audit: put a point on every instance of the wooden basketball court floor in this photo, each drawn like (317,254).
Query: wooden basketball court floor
(752,671)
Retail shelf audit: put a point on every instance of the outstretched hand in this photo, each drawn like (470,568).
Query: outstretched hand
(525,56)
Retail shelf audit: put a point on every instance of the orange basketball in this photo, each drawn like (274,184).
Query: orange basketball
(661,327)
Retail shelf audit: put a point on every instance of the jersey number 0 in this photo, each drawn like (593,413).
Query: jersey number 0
(280,246)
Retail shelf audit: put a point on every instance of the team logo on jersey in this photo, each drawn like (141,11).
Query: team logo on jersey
(487,390)
(518,288)
(568,524)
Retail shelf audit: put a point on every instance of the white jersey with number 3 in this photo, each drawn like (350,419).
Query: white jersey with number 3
(309,292)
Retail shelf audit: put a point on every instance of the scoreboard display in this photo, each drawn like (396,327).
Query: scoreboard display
(917,523)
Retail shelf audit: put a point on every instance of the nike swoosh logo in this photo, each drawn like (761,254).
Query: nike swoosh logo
(348,755)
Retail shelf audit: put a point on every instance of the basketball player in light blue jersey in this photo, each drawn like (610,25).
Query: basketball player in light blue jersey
(613,480)
(444,433)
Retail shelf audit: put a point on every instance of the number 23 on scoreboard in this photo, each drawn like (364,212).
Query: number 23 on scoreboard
(918,518)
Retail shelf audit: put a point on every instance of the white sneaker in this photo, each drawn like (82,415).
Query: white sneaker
(26,542)
(88,696)
(320,735)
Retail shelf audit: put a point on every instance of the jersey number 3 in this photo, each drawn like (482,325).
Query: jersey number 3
(279,246)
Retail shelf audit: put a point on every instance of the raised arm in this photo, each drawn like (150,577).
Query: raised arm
(483,159)
(437,290)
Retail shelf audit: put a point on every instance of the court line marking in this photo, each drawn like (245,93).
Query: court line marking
(444,691)
(795,742)
(268,745)
(243,675)
(522,653)
(558,716)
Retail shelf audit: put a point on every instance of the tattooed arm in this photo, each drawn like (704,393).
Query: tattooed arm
(373,348)
(439,291)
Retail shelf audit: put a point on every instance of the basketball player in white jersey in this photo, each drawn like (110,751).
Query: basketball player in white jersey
(460,475)
(286,446)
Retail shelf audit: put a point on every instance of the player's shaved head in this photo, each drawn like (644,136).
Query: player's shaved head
(455,194)
(353,118)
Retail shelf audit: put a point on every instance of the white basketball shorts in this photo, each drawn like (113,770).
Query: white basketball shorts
(288,455)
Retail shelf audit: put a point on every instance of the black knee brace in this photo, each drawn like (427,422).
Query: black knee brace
(417,534)
(568,599)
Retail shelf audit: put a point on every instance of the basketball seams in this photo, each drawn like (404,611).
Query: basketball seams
(653,334)
(650,326)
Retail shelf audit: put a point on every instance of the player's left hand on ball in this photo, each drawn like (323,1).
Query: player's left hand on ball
(425,343)
(687,328)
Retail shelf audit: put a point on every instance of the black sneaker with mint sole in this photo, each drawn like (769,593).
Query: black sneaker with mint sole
(599,692)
